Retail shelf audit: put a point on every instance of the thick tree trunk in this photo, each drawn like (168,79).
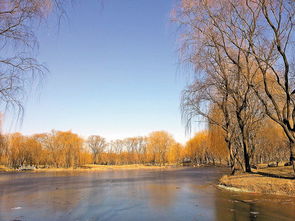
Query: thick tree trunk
(246,157)
(232,168)
(231,158)
(292,155)
(245,145)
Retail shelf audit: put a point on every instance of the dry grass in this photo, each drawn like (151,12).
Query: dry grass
(265,165)
(89,167)
(5,169)
(93,167)
(285,172)
(131,166)
(265,181)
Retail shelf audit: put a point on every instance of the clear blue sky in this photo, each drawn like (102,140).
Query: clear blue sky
(113,71)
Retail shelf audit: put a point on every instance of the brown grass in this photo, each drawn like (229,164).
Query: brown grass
(281,171)
(279,180)
(5,169)
(90,167)
(93,167)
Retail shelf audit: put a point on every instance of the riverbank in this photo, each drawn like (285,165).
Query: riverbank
(89,167)
(278,181)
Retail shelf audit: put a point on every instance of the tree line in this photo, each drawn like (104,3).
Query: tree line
(242,56)
(65,149)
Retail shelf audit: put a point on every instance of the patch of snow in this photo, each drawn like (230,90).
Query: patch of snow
(15,208)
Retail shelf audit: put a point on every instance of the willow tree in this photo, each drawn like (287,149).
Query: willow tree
(19,68)
(197,148)
(222,73)
(212,83)
(270,35)
(158,146)
(97,145)
(263,32)
(255,38)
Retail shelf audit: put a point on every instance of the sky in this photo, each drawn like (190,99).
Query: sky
(113,72)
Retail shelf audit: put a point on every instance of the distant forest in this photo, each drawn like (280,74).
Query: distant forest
(67,149)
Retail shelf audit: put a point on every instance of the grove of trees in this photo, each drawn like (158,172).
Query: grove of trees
(66,149)
(242,54)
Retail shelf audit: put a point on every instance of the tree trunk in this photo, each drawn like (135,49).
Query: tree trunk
(292,155)
(231,160)
(246,157)
(245,143)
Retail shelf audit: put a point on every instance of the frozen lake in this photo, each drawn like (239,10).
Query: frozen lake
(168,194)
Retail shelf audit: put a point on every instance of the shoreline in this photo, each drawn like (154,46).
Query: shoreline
(91,168)
(274,181)
(97,167)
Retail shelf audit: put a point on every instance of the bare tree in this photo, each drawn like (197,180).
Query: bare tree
(263,32)
(270,35)
(19,68)
(218,83)
(220,36)
(97,144)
